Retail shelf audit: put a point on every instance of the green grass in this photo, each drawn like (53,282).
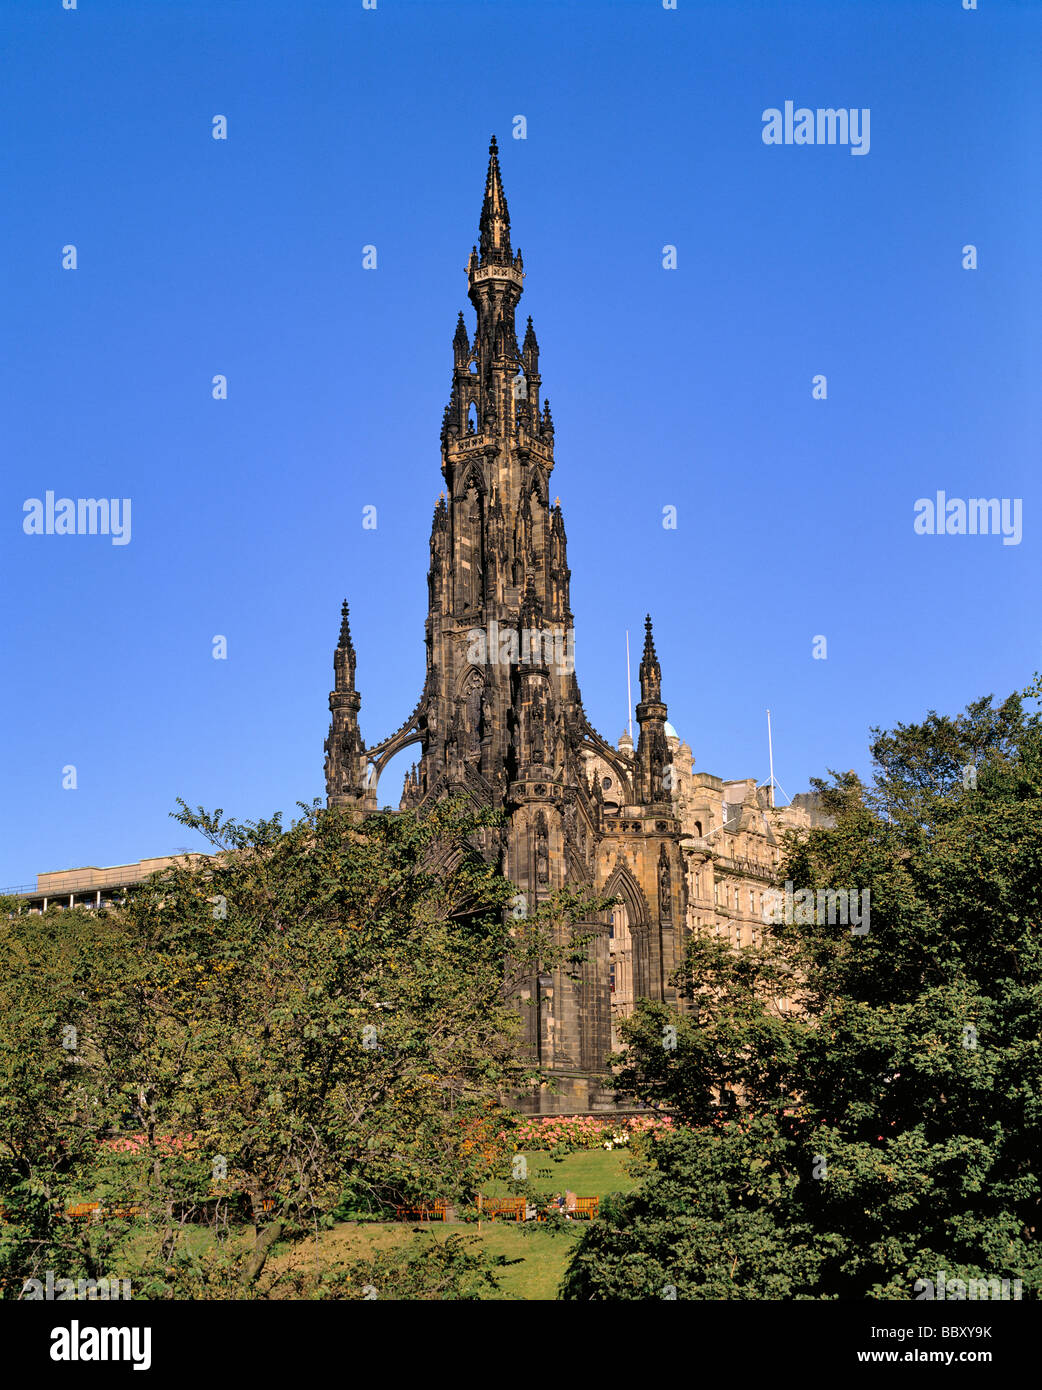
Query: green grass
(539,1256)
(587,1173)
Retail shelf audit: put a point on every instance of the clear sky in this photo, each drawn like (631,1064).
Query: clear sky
(689,387)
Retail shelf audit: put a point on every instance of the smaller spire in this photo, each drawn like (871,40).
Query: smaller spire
(344,657)
(495,219)
(530,344)
(650,670)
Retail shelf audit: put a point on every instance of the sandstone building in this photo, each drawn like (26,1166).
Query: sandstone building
(500,718)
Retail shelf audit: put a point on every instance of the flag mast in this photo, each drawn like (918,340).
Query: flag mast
(770,754)
(629,689)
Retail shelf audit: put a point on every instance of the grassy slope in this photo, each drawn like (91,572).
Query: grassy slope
(540,1256)
(590,1173)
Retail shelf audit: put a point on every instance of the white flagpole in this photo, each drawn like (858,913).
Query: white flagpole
(629,689)
(770,754)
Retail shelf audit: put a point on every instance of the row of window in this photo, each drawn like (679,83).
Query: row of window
(723,898)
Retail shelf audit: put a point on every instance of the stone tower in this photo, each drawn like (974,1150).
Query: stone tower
(501,719)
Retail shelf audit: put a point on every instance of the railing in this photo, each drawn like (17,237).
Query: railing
(81,883)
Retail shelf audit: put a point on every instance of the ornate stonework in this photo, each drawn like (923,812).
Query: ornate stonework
(501,719)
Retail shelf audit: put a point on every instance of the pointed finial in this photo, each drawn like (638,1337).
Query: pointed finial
(495,219)
(461,339)
(345,627)
(650,670)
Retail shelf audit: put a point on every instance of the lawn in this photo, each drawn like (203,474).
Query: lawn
(587,1173)
(539,1255)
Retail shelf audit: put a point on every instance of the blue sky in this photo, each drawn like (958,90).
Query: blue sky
(688,387)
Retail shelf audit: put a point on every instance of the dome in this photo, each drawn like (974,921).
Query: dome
(669,731)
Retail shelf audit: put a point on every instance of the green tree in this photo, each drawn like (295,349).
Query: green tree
(906,1092)
(68,1034)
(716,1216)
(309,1016)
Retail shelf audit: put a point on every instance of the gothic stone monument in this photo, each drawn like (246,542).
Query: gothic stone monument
(500,719)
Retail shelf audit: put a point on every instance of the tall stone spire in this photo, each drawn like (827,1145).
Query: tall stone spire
(345,751)
(653,755)
(495,389)
(500,719)
(495,219)
(650,670)
(345,644)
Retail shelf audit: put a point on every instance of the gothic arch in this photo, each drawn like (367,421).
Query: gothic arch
(614,759)
(473,476)
(622,884)
(536,482)
(467,676)
(378,758)
(632,938)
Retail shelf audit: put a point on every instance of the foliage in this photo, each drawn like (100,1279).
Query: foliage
(452,1268)
(716,1217)
(889,1122)
(305,1019)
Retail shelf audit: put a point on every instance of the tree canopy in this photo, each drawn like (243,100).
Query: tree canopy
(886,1127)
(303,1024)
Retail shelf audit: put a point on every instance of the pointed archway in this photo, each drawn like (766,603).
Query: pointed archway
(627,946)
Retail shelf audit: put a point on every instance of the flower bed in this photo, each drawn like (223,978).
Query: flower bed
(568,1132)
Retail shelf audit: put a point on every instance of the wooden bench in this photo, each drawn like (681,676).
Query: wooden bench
(434,1213)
